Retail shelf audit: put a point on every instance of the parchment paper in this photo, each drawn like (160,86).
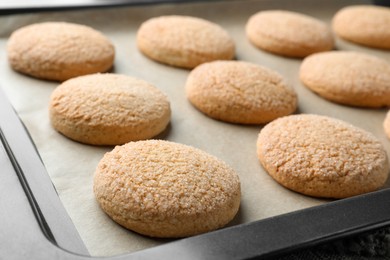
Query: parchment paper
(71,165)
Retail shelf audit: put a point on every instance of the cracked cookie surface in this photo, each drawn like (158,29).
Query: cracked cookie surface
(288,33)
(322,157)
(184,41)
(364,24)
(59,51)
(164,189)
(240,92)
(108,109)
(348,78)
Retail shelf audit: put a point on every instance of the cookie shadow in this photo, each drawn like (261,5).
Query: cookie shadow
(165,133)
(238,219)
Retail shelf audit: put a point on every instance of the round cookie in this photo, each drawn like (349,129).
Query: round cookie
(364,24)
(59,51)
(322,157)
(288,33)
(386,124)
(184,41)
(348,78)
(164,189)
(240,92)
(108,109)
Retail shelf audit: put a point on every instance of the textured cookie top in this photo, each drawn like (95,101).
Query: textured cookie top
(108,109)
(288,33)
(165,189)
(240,92)
(364,24)
(184,41)
(322,156)
(59,50)
(349,78)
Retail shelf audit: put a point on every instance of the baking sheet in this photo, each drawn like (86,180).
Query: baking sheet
(71,165)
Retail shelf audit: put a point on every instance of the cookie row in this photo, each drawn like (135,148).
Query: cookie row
(109,109)
(59,51)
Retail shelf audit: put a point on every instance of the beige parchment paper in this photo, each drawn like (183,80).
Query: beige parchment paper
(71,165)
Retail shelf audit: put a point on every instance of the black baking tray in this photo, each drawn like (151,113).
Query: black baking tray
(35,224)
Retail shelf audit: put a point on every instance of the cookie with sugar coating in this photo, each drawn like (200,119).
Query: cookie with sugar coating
(59,51)
(165,189)
(322,156)
(240,92)
(288,33)
(184,41)
(108,109)
(349,78)
(367,25)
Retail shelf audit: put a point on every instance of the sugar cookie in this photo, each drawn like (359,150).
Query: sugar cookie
(184,41)
(348,78)
(364,24)
(240,92)
(288,33)
(59,51)
(322,157)
(108,109)
(165,189)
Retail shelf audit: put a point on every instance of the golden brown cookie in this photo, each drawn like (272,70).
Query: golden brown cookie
(364,24)
(349,78)
(184,41)
(240,92)
(322,157)
(386,124)
(288,33)
(59,51)
(108,109)
(165,189)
